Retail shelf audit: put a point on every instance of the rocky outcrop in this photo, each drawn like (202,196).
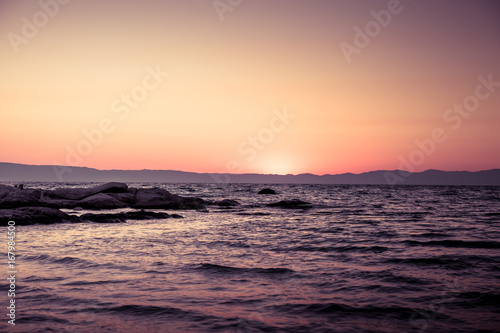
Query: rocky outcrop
(294,204)
(13,197)
(45,215)
(127,197)
(30,206)
(101,201)
(267,191)
(81,193)
(106,196)
(33,215)
(161,198)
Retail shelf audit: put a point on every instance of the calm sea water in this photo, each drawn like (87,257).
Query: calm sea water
(364,259)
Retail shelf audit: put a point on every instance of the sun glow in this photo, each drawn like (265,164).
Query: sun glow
(276,165)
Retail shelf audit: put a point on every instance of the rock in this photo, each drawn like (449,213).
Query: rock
(103,218)
(267,191)
(13,197)
(254,214)
(100,201)
(33,215)
(161,198)
(153,198)
(81,193)
(122,217)
(107,196)
(227,203)
(5,191)
(58,203)
(111,200)
(294,203)
(145,215)
(127,197)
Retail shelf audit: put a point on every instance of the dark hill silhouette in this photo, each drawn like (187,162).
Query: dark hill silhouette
(47,173)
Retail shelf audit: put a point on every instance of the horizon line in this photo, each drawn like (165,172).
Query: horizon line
(251,173)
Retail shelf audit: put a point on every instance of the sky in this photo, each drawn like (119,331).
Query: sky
(259,86)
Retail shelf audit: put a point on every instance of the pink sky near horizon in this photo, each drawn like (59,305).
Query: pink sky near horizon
(266,90)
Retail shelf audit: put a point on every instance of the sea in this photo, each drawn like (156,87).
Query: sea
(364,258)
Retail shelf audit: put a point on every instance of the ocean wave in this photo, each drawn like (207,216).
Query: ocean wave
(34,278)
(86,283)
(478,299)
(447,263)
(74,262)
(201,321)
(147,310)
(206,267)
(433,235)
(31,319)
(339,249)
(387,276)
(341,310)
(457,243)
(237,244)
(492,214)
(70,261)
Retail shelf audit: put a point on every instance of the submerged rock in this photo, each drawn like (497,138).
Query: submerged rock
(145,215)
(294,203)
(267,191)
(103,218)
(227,203)
(254,214)
(122,217)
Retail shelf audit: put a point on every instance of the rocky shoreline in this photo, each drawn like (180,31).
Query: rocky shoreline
(32,206)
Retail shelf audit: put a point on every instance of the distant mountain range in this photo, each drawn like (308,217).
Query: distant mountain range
(48,173)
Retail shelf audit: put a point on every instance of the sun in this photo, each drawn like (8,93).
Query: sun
(276,165)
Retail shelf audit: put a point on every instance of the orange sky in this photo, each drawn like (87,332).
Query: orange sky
(268,89)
